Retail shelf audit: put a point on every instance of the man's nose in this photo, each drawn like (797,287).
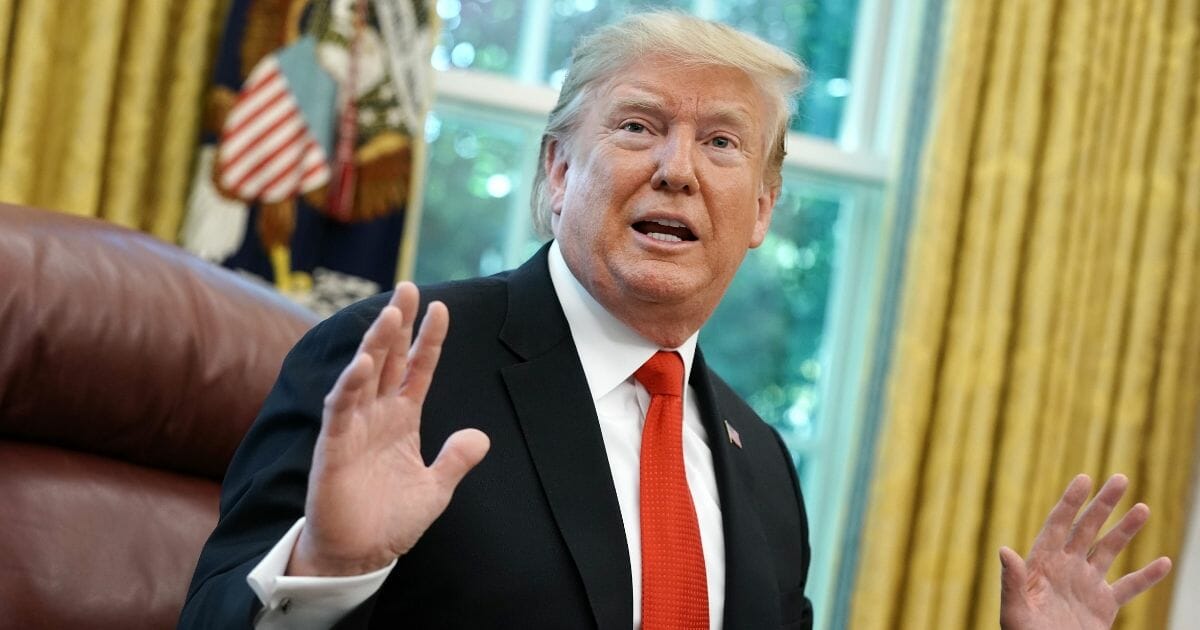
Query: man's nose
(675,171)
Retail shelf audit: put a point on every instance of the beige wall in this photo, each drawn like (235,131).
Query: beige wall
(1185,612)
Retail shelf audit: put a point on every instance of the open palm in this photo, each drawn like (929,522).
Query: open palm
(1062,584)
(370,494)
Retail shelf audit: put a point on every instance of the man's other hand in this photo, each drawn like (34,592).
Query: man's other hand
(1062,585)
(370,494)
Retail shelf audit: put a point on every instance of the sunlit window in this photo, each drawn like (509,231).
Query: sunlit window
(531,41)
(475,220)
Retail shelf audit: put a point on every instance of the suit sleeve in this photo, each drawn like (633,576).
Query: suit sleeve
(264,488)
(802,611)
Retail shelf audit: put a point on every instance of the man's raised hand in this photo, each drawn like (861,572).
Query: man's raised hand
(1062,585)
(370,494)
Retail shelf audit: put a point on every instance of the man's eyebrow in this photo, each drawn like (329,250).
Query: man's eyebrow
(721,114)
(638,102)
(732,116)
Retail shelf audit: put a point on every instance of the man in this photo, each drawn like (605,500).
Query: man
(660,168)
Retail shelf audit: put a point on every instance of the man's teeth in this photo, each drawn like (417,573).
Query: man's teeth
(669,238)
(668,223)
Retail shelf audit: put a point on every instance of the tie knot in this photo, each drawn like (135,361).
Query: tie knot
(662,374)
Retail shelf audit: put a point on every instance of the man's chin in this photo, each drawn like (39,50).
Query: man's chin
(663,286)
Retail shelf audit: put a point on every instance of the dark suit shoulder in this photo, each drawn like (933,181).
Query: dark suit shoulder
(265,486)
(467,291)
(775,459)
(772,487)
(461,292)
(775,490)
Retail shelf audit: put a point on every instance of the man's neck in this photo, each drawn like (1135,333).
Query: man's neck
(663,325)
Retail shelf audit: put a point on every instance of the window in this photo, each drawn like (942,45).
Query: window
(476,198)
(792,334)
(532,41)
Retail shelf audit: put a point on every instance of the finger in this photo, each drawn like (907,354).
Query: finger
(405,299)
(1117,538)
(1137,582)
(346,392)
(378,340)
(423,358)
(1058,524)
(462,451)
(1083,534)
(1013,589)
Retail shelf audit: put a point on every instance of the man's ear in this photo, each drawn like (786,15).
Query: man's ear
(766,207)
(556,173)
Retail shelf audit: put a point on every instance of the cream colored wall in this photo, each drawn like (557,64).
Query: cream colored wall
(1185,611)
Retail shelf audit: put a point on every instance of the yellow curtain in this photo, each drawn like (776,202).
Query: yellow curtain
(100,104)
(1051,317)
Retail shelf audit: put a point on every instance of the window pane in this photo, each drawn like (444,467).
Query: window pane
(479,34)
(475,196)
(576,18)
(821,33)
(765,338)
(532,40)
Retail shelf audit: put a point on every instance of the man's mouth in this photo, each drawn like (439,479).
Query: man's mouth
(665,230)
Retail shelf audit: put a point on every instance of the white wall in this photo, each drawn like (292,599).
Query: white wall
(1185,612)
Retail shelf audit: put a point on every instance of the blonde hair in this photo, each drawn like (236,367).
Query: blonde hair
(686,40)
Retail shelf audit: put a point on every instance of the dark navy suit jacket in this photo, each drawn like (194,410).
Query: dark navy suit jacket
(533,537)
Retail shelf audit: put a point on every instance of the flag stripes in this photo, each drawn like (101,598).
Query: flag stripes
(267,152)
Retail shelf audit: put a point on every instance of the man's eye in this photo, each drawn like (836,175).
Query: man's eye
(634,127)
(721,142)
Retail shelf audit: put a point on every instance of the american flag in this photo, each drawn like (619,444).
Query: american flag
(267,152)
(734,438)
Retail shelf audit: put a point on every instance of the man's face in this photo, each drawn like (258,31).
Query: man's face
(660,191)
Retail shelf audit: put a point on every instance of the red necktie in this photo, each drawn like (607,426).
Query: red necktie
(674,585)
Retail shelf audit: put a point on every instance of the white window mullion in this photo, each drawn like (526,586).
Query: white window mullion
(487,91)
(900,77)
(854,291)
(818,155)
(535,37)
(868,60)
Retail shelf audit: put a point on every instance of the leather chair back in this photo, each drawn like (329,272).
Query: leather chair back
(129,371)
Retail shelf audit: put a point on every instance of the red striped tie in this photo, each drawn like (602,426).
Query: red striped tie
(674,585)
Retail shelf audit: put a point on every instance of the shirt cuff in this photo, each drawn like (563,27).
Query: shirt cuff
(304,601)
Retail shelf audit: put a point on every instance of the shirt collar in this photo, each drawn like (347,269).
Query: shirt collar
(609,350)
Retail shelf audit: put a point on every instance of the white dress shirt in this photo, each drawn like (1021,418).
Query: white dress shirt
(610,353)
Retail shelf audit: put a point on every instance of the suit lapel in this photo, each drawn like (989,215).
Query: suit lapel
(748,574)
(558,419)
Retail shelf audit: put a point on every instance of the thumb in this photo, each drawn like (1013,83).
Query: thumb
(461,452)
(1012,572)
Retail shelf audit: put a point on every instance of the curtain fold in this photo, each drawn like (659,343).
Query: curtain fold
(1051,316)
(100,103)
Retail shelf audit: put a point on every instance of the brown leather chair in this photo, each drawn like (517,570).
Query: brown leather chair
(129,371)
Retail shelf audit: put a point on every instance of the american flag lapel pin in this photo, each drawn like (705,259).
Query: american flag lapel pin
(734,438)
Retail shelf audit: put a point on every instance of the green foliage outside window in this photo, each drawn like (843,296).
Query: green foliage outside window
(765,338)
(495,36)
